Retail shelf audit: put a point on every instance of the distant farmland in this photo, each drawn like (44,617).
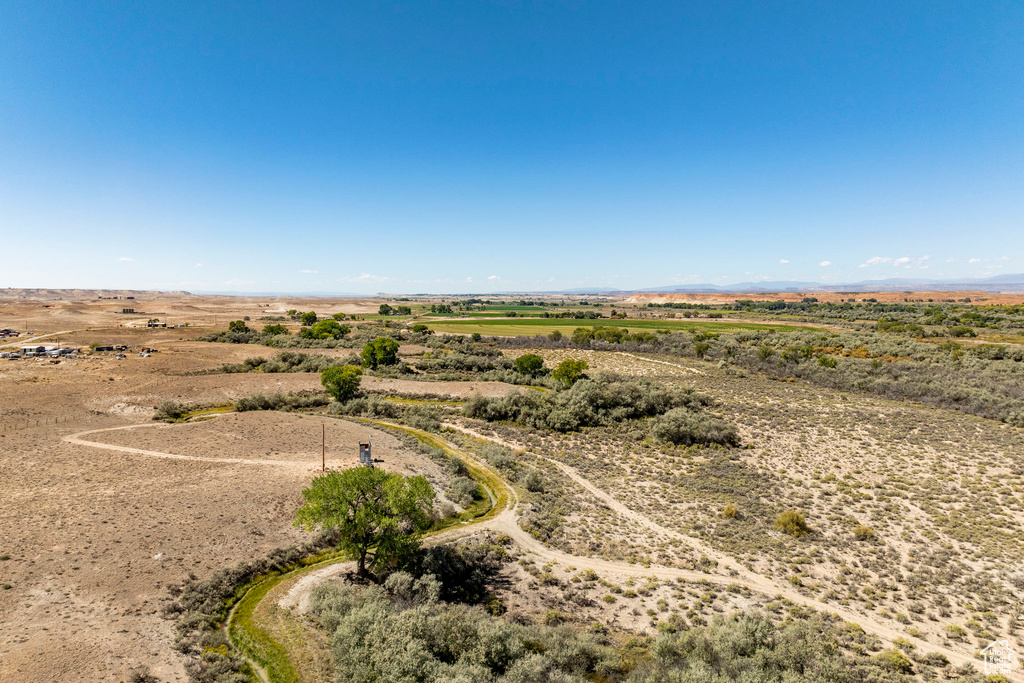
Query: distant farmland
(512,327)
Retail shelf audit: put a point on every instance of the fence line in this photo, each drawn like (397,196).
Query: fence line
(28,424)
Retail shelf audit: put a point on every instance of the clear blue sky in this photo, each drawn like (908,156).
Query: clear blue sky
(482,146)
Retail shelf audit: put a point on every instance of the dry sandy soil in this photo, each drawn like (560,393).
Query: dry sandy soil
(46,311)
(90,538)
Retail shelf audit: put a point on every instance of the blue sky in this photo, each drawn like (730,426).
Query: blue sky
(486,146)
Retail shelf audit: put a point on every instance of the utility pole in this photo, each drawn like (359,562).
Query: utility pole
(323,447)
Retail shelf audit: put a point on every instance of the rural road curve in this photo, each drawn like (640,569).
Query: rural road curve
(78,440)
(507,523)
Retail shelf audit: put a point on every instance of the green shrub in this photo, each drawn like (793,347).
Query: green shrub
(554,618)
(863,533)
(793,523)
(531,481)
(569,371)
(530,364)
(895,661)
(685,427)
(170,411)
(603,400)
(464,491)
(961,331)
(286,402)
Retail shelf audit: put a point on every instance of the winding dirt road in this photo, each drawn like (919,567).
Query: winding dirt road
(78,440)
(506,522)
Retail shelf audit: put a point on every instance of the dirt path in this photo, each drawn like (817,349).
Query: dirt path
(624,511)
(663,362)
(24,342)
(77,440)
(506,522)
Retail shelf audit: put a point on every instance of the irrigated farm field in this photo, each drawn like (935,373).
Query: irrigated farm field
(533,326)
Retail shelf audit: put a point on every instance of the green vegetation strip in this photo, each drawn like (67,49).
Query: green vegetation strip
(534,326)
(256,643)
(423,401)
(252,640)
(490,480)
(208,412)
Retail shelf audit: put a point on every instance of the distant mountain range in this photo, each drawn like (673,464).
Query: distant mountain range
(48,294)
(999,283)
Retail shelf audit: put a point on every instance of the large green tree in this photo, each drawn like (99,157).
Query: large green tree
(569,371)
(330,329)
(381,351)
(341,383)
(379,515)
(530,364)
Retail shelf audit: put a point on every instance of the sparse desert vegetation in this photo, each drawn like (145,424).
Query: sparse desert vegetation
(668,492)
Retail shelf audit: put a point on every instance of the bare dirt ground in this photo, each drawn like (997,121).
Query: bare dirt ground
(91,537)
(94,536)
(46,311)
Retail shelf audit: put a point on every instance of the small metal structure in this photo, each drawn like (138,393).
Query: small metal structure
(365,453)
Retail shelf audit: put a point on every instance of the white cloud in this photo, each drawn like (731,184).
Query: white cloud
(306,270)
(825,264)
(904,261)
(198,265)
(783,261)
(955,259)
(365,277)
(125,258)
(974,260)
(493,277)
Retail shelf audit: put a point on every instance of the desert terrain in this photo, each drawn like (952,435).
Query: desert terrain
(103,509)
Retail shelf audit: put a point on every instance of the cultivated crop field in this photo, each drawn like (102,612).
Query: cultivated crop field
(535,326)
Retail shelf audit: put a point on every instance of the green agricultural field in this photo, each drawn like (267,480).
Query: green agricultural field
(511,327)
